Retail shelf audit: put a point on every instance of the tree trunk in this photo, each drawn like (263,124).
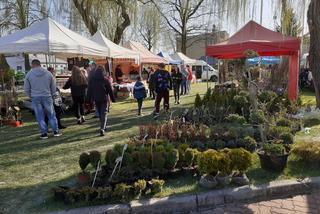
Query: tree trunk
(3,63)
(125,23)
(85,10)
(314,51)
(27,65)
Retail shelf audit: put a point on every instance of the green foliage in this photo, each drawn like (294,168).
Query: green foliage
(241,159)
(160,148)
(111,157)
(277,131)
(197,102)
(236,118)
(122,191)
(220,144)
(139,186)
(158,161)
(284,122)
(206,97)
(307,152)
(240,100)
(257,117)
(118,149)
(156,185)
(231,144)
(224,163)
(266,96)
(208,162)
(190,156)
(182,149)
(248,143)
(172,157)
(169,147)
(274,149)
(95,157)
(84,160)
(287,138)
(311,122)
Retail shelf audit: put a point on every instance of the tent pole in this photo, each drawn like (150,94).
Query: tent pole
(46,60)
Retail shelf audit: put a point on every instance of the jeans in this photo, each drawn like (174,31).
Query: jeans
(140,101)
(183,87)
(101,107)
(78,103)
(165,96)
(42,106)
(176,88)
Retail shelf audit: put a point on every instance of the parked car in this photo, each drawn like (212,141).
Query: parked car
(205,72)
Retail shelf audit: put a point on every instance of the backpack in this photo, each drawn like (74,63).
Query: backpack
(162,79)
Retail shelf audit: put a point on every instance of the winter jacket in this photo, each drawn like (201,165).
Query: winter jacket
(99,88)
(162,80)
(151,82)
(176,78)
(39,83)
(76,90)
(139,91)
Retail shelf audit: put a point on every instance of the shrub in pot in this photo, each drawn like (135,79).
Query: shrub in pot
(236,118)
(83,176)
(208,166)
(287,138)
(110,158)
(273,156)
(172,157)
(94,157)
(224,168)
(248,143)
(241,160)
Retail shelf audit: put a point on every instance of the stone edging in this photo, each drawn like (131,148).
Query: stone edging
(194,202)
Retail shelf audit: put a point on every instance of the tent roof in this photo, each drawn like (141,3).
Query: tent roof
(145,55)
(183,58)
(168,57)
(258,38)
(114,50)
(49,37)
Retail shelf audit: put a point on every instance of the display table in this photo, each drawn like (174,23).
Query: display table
(124,89)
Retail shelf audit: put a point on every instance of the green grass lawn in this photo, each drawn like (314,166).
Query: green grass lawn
(30,167)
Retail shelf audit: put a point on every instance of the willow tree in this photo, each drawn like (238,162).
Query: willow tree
(314,51)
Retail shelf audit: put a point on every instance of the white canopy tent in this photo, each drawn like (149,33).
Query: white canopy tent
(183,58)
(115,51)
(51,38)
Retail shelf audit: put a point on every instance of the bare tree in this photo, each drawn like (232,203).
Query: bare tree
(314,52)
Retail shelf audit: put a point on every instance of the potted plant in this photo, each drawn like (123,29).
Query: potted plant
(156,185)
(273,156)
(224,167)
(208,167)
(84,176)
(241,160)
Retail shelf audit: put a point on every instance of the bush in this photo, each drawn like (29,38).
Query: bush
(277,131)
(172,158)
(139,186)
(287,138)
(241,159)
(84,160)
(156,185)
(182,149)
(197,101)
(158,161)
(274,149)
(307,152)
(111,157)
(220,144)
(236,118)
(122,191)
(94,157)
(284,122)
(190,156)
(224,163)
(248,143)
(257,117)
(266,96)
(231,144)
(160,148)
(241,100)
(208,162)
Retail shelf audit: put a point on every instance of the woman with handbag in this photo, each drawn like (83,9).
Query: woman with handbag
(99,91)
(139,93)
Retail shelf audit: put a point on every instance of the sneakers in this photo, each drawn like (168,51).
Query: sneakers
(79,121)
(102,132)
(57,134)
(44,136)
(82,119)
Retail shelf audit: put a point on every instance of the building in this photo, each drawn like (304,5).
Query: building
(196,45)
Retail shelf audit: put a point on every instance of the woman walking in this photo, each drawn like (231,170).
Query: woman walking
(99,91)
(139,92)
(78,84)
(176,81)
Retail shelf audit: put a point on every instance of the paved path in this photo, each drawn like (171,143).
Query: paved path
(298,204)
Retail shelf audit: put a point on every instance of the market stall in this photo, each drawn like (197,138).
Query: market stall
(265,42)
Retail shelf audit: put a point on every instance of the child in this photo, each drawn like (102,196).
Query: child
(139,93)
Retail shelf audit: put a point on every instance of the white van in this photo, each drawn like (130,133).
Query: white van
(204,71)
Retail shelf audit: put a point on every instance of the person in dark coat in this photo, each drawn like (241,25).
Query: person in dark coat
(100,90)
(78,84)
(176,82)
(139,93)
(151,84)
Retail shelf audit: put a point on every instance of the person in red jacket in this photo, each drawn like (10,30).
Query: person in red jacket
(189,80)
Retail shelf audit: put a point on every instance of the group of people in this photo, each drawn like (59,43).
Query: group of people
(160,82)
(93,85)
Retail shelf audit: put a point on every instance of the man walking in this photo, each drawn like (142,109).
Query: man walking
(163,85)
(184,73)
(39,85)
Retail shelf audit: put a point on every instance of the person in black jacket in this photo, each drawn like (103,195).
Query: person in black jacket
(100,91)
(151,83)
(78,84)
(176,81)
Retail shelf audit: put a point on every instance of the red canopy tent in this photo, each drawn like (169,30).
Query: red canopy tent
(266,43)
